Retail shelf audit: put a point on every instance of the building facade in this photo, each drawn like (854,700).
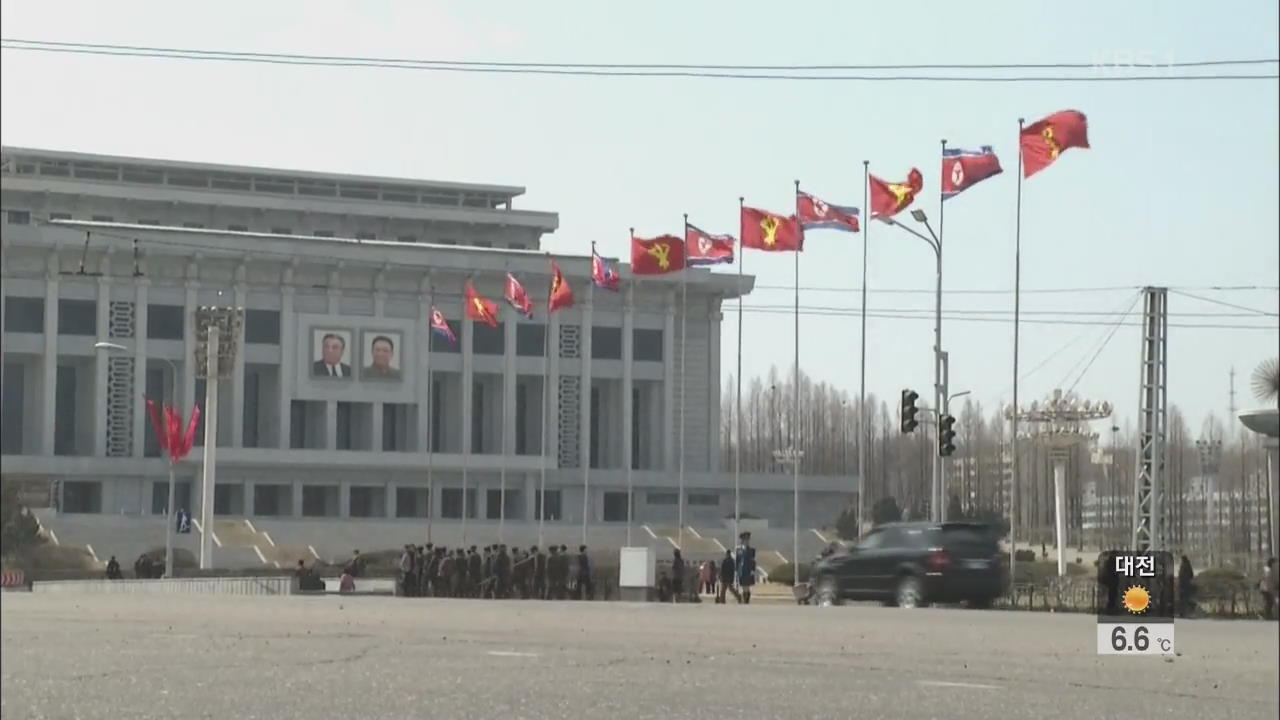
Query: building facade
(342,403)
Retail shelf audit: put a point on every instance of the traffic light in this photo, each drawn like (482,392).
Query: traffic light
(909,410)
(946,434)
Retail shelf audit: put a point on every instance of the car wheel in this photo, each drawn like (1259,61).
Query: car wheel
(909,593)
(827,594)
(980,603)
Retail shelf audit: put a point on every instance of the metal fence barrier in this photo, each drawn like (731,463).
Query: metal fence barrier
(175,586)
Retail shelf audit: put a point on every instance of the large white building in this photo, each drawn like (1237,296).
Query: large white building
(124,250)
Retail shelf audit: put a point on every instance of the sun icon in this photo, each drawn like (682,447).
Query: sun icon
(1136,599)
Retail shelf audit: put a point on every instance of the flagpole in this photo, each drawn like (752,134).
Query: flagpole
(862,370)
(502,468)
(795,419)
(431,417)
(541,504)
(940,378)
(684,321)
(628,399)
(737,445)
(584,419)
(1017,307)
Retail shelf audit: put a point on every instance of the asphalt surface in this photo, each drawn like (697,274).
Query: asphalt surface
(379,657)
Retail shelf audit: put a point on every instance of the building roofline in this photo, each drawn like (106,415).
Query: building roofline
(507,190)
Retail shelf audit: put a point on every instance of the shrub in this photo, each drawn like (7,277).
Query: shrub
(1040,572)
(56,557)
(183,559)
(785,574)
(1216,583)
(1025,556)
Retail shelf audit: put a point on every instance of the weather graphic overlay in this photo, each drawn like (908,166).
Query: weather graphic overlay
(1135,603)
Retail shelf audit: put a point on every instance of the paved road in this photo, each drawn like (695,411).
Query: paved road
(378,657)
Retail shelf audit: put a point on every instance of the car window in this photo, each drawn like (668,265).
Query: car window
(892,538)
(913,538)
(966,535)
(872,541)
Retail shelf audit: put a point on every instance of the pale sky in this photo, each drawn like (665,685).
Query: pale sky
(1179,189)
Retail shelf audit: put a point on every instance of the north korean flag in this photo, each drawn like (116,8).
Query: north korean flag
(962,169)
(815,214)
(440,326)
(703,248)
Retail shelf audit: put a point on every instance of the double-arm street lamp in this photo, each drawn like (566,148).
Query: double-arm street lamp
(939,385)
(111,347)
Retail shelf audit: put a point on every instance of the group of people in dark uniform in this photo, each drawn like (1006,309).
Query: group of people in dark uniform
(496,571)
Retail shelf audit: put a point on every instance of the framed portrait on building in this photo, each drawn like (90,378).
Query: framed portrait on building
(331,353)
(381,355)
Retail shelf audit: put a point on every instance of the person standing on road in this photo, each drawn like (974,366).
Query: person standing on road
(677,575)
(585,589)
(1268,588)
(1186,587)
(726,577)
(746,568)
(539,571)
(113,569)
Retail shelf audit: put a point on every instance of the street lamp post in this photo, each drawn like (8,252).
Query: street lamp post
(217,328)
(939,390)
(1210,452)
(169,519)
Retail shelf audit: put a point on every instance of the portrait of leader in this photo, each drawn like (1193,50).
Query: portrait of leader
(329,351)
(381,355)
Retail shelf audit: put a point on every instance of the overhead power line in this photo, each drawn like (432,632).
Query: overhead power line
(1102,72)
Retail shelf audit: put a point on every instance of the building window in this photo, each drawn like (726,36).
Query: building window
(364,235)
(477,417)
(446,241)
(281,231)
(615,507)
(395,426)
(529,340)
(164,322)
(23,314)
(437,413)
(483,243)
(59,216)
(252,387)
(636,415)
(451,503)
(319,501)
(17,217)
(81,496)
(193,225)
(64,429)
(238,228)
(486,340)
(522,423)
(647,344)
(77,317)
(593,453)
(516,246)
(705,499)
(11,409)
(367,501)
(148,221)
(157,388)
(105,218)
(262,326)
(412,503)
(606,343)
(407,239)
(499,505)
(323,233)
(662,498)
(345,411)
(550,502)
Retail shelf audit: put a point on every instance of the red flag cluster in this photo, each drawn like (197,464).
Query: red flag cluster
(1041,143)
(169,433)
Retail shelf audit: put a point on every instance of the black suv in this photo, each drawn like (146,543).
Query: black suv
(914,564)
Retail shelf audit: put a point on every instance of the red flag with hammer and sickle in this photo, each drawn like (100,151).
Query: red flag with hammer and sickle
(479,308)
(1043,141)
(763,230)
(560,295)
(657,256)
(889,199)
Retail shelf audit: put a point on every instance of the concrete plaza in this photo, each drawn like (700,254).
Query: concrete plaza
(380,657)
